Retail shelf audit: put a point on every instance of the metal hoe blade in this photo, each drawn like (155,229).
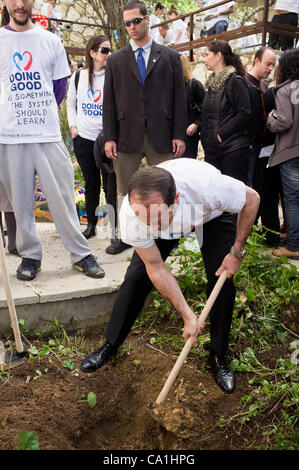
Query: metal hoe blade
(10,359)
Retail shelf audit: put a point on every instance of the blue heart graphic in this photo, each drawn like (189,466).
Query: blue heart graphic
(20,57)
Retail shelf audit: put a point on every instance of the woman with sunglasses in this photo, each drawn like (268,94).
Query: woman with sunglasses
(226,112)
(85,117)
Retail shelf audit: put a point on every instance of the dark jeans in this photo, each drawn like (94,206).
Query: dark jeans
(92,175)
(217,28)
(218,237)
(289,172)
(283,42)
(234,164)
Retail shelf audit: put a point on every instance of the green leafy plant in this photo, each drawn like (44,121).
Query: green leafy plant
(28,441)
(91,399)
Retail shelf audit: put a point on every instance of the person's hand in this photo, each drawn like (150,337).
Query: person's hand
(73,131)
(219,138)
(191,329)
(192,129)
(232,265)
(111,149)
(178,148)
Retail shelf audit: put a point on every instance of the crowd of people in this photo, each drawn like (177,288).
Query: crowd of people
(136,117)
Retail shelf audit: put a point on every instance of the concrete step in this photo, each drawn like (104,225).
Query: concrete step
(60,291)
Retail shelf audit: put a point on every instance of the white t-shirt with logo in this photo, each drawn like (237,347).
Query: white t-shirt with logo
(287,5)
(204,193)
(215,11)
(30,61)
(85,107)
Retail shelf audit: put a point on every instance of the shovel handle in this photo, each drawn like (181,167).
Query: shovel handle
(9,298)
(188,345)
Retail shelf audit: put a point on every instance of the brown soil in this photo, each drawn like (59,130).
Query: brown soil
(50,406)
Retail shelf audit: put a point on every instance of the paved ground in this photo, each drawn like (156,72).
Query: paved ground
(57,281)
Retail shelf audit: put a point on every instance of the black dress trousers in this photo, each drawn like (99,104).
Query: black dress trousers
(218,237)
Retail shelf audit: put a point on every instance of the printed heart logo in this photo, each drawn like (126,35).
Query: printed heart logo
(20,60)
(94,95)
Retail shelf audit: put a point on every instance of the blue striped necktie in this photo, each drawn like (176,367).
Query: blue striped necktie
(141,65)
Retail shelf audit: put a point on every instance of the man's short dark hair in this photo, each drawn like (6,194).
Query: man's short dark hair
(132,5)
(153,179)
(159,6)
(260,53)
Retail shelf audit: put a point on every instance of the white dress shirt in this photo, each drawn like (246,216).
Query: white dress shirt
(146,50)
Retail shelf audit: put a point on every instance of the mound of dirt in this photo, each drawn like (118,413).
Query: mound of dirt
(42,396)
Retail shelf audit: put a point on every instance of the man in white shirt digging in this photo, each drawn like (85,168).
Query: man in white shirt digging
(165,203)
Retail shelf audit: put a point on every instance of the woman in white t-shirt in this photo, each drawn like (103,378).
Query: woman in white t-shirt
(85,117)
(48,9)
(179,27)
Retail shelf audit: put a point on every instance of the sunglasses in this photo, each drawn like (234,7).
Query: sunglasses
(105,50)
(135,21)
(214,41)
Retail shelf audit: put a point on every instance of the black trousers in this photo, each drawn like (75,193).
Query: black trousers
(283,42)
(11,229)
(218,237)
(234,164)
(83,149)
(192,142)
(266,181)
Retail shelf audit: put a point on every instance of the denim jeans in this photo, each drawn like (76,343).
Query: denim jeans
(217,28)
(289,173)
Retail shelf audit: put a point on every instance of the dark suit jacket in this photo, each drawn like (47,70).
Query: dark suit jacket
(162,103)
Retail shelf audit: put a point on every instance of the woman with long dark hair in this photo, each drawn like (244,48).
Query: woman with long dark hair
(226,111)
(284,122)
(85,116)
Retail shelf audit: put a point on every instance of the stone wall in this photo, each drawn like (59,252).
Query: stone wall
(81,11)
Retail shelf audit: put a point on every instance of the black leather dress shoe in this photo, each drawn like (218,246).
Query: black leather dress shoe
(98,358)
(223,375)
(117,246)
(90,231)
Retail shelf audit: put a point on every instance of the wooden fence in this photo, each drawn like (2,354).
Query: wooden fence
(262,27)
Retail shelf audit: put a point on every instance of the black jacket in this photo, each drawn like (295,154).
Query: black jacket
(195,94)
(160,107)
(226,112)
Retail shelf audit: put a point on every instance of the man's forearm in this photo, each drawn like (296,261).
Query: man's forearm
(168,286)
(246,218)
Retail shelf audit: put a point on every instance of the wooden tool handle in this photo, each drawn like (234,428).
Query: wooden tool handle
(188,345)
(10,302)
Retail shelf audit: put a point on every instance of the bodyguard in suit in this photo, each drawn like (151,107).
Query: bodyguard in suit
(144,109)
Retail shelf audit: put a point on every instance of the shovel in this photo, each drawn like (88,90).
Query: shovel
(188,345)
(9,359)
